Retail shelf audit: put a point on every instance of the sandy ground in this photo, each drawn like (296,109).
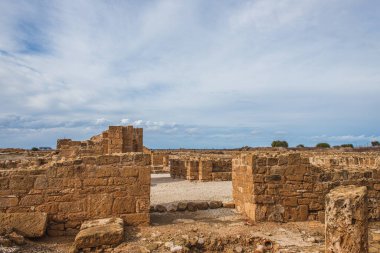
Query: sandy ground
(166,190)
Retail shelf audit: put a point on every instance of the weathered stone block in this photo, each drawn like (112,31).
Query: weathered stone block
(31,200)
(99,205)
(27,224)
(8,201)
(347,220)
(100,232)
(124,205)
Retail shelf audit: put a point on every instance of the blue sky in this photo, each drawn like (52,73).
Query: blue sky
(202,74)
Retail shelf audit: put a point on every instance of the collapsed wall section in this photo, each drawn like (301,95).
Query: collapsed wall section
(73,191)
(292,187)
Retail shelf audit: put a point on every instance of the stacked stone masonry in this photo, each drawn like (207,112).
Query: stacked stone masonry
(291,186)
(73,191)
(160,162)
(117,139)
(203,168)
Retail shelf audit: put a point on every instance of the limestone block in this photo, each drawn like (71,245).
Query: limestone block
(8,201)
(26,224)
(31,200)
(100,232)
(99,205)
(347,220)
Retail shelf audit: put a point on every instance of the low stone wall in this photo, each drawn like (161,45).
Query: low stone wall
(73,191)
(203,168)
(177,168)
(160,162)
(274,186)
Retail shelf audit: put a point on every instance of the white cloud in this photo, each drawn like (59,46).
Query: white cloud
(272,64)
(138,122)
(270,14)
(101,121)
(124,121)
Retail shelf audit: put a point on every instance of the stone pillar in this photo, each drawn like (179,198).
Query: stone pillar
(347,220)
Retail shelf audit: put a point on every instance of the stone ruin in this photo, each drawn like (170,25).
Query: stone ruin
(159,161)
(291,186)
(117,139)
(347,220)
(202,167)
(109,175)
(103,177)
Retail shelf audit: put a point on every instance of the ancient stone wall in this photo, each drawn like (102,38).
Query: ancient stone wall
(117,139)
(73,191)
(291,186)
(203,168)
(177,168)
(160,162)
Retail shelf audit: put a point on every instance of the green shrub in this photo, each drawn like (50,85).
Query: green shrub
(347,146)
(375,143)
(34,149)
(300,146)
(323,145)
(277,144)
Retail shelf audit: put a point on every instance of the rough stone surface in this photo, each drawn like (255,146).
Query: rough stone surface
(32,224)
(346,220)
(202,167)
(287,186)
(101,232)
(72,191)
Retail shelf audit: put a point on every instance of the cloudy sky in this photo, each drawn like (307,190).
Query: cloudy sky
(202,74)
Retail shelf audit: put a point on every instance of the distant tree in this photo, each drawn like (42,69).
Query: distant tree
(34,149)
(347,146)
(300,146)
(375,143)
(277,144)
(323,145)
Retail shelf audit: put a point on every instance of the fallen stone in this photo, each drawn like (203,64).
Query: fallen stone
(182,206)
(201,205)
(176,249)
(122,248)
(152,246)
(192,207)
(215,204)
(16,238)
(160,209)
(238,249)
(30,225)
(169,245)
(172,208)
(100,232)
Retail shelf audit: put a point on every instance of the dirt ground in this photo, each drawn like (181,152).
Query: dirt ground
(223,225)
(166,190)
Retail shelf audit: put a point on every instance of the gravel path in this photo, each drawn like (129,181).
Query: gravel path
(165,190)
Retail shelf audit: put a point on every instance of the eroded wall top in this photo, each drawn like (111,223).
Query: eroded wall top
(117,139)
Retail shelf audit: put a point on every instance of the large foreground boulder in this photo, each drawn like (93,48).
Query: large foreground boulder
(30,225)
(101,233)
